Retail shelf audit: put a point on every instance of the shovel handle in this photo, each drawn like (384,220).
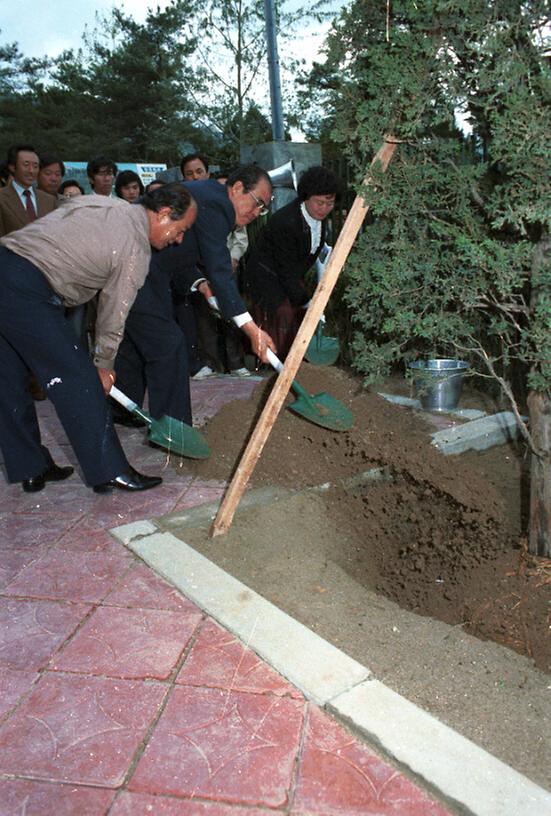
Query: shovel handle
(126,402)
(122,399)
(274,360)
(276,363)
(321,264)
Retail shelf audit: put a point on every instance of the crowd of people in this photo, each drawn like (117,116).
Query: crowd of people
(138,286)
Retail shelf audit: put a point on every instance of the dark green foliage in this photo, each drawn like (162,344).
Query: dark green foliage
(128,93)
(457,260)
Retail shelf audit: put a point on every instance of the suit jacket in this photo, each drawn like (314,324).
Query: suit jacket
(13,214)
(280,259)
(206,244)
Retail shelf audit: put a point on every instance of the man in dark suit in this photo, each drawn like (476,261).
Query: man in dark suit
(20,204)
(152,352)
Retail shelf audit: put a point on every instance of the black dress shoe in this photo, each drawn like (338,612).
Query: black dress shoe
(53,473)
(129,421)
(131,480)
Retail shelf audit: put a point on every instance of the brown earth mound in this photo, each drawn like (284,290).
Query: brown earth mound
(439,535)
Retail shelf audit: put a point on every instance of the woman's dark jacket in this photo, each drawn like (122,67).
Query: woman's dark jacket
(280,259)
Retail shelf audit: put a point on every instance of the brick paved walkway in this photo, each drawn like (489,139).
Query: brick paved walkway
(119,696)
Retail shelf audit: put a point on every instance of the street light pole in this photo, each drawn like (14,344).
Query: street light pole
(278,132)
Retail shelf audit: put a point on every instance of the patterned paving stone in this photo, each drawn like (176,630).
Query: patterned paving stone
(19,797)
(13,684)
(91,539)
(201,493)
(21,530)
(131,643)
(141,588)
(31,631)
(209,396)
(225,746)
(73,576)
(139,804)
(11,496)
(13,561)
(340,775)
(219,660)
(119,507)
(62,498)
(83,730)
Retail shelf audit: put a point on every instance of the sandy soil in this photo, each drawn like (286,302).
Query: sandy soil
(440,537)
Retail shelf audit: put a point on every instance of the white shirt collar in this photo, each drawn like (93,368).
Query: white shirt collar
(315,227)
(20,192)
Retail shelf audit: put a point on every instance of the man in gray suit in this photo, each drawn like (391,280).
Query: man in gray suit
(20,203)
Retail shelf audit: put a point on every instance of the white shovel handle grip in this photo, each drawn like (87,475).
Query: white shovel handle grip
(122,398)
(320,265)
(274,361)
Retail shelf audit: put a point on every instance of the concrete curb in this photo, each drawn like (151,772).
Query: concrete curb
(410,402)
(479,434)
(457,768)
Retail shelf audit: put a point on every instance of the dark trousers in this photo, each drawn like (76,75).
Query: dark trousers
(35,335)
(219,341)
(184,315)
(282,325)
(153,353)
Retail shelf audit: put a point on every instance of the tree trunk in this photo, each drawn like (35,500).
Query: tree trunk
(539,405)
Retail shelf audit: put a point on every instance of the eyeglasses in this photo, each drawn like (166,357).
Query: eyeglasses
(105,173)
(262,207)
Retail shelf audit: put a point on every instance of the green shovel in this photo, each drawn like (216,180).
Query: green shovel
(169,433)
(322,350)
(321,409)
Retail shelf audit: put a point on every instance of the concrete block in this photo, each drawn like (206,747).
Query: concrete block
(479,434)
(136,529)
(398,399)
(409,402)
(316,667)
(455,766)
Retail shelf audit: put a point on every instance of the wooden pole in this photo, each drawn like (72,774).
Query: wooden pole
(337,259)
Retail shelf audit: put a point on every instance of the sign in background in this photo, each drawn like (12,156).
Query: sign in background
(77,171)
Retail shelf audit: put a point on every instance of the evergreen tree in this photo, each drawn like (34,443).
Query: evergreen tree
(126,93)
(458,259)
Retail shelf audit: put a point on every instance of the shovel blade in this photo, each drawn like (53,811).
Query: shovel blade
(323,350)
(323,409)
(179,438)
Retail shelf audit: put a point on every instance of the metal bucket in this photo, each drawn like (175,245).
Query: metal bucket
(438,383)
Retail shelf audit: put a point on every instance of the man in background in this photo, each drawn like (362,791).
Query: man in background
(50,174)
(195,167)
(101,175)
(20,203)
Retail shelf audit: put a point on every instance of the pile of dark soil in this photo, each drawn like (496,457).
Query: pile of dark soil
(441,536)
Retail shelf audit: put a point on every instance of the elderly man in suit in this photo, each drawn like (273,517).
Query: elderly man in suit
(20,203)
(153,351)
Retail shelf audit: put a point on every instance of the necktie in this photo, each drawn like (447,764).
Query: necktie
(31,212)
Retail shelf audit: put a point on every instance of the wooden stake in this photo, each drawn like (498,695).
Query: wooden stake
(337,259)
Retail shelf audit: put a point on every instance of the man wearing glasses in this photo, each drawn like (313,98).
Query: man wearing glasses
(246,194)
(101,174)
(152,338)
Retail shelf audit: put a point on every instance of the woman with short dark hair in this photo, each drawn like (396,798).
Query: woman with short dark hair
(128,185)
(285,250)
